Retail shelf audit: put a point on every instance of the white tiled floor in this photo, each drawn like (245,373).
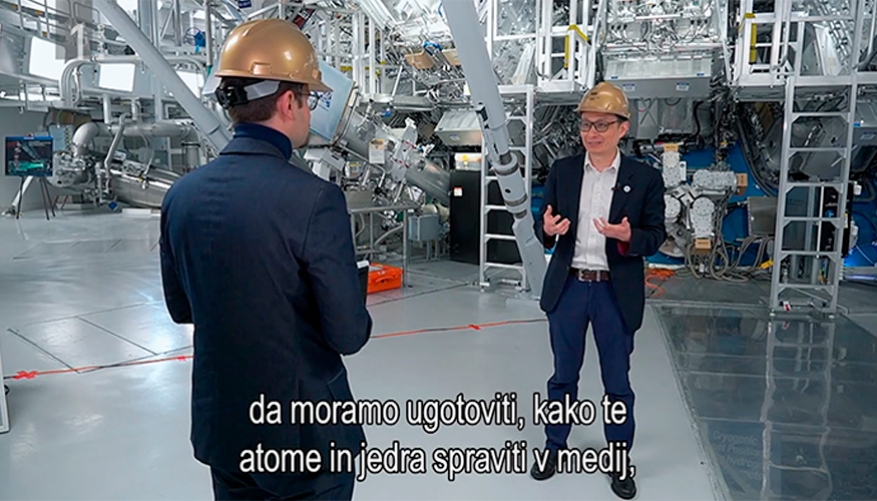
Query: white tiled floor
(85,289)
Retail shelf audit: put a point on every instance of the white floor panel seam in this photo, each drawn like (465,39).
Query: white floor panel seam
(38,348)
(115,334)
(83,314)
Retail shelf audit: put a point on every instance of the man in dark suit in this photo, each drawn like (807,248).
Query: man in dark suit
(259,256)
(603,213)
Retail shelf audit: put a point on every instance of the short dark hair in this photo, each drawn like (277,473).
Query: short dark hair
(261,109)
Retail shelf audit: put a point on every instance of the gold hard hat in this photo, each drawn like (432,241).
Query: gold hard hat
(605,98)
(271,49)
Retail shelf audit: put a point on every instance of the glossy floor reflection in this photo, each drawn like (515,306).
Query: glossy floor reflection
(84,290)
(787,408)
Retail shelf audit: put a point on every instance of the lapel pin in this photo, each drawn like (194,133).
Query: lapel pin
(627,189)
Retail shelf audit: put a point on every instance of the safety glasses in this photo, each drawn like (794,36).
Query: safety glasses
(598,126)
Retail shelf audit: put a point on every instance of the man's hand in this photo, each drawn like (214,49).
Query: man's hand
(620,232)
(553,225)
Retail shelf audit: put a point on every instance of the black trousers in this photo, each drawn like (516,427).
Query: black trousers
(228,486)
(583,303)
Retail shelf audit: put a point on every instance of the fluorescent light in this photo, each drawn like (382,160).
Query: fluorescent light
(46,59)
(116,77)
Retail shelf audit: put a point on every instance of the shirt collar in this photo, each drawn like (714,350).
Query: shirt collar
(616,162)
(264,133)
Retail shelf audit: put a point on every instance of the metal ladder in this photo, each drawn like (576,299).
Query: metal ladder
(807,271)
(527,94)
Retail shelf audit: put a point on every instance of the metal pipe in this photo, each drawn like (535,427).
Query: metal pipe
(84,135)
(36,80)
(207,121)
(135,110)
(398,78)
(372,68)
(68,99)
(107,108)
(388,234)
(620,48)
(115,144)
(263,10)
(156,129)
(178,22)
(208,34)
(487,102)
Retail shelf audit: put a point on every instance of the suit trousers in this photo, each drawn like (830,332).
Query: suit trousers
(234,485)
(581,304)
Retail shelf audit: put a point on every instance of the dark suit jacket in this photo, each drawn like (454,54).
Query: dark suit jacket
(642,204)
(258,254)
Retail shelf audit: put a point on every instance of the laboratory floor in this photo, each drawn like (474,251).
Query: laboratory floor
(99,383)
(786,407)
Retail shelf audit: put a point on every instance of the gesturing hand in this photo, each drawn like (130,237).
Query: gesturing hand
(620,232)
(553,225)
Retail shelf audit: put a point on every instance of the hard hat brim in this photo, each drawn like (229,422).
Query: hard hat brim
(587,109)
(313,85)
(319,87)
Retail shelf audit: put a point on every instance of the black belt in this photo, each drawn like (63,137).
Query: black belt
(590,275)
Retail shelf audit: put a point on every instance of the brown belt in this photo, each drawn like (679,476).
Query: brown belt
(590,275)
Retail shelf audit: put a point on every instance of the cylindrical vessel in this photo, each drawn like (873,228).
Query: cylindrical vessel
(133,191)
(429,177)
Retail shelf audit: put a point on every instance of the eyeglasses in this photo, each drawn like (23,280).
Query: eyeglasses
(314,100)
(598,126)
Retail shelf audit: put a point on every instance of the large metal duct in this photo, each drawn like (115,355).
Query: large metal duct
(139,192)
(339,124)
(356,136)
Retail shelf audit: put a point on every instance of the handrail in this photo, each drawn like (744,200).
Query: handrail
(599,21)
(572,31)
(381,208)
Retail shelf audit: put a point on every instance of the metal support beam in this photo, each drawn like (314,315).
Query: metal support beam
(205,119)
(478,69)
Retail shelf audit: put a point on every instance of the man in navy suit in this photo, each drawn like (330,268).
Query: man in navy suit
(603,213)
(258,255)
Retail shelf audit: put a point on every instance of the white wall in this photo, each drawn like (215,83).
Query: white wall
(13,123)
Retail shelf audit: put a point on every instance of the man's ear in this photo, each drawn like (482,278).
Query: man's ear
(285,105)
(625,127)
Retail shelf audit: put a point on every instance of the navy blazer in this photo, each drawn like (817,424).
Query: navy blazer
(259,256)
(639,196)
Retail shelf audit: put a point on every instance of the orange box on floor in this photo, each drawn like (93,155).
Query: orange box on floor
(383,278)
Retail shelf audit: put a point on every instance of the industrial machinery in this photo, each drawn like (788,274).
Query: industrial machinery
(760,115)
(111,175)
(488,105)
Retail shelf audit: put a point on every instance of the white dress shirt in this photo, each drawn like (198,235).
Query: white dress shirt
(594,203)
